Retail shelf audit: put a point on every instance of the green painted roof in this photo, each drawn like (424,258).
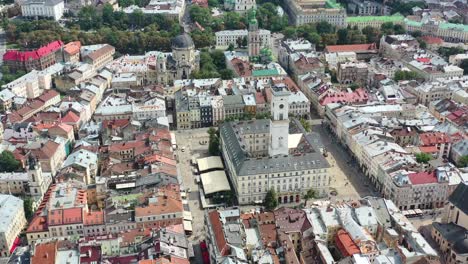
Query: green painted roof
(266,72)
(459,27)
(332,4)
(384,19)
(413,23)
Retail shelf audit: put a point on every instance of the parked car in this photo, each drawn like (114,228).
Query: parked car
(204,252)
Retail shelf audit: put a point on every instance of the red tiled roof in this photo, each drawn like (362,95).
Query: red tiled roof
(15,55)
(90,254)
(93,218)
(46,151)
(429,149)
(345,244)
(115,123)
(424,60)
(65,216)
(259,98)
(48,95)
(70,117)
(433,138)
(38,224)
(72,48)
(358,96)
(217,227)
(423,177)
(353,47)
(159,158)
(45,253)
(126,145)
(432,40)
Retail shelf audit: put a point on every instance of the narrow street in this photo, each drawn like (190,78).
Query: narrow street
(187,146)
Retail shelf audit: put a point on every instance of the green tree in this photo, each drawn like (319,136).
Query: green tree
(202,39)
(342,34)
(226,74)
(231,47)
(107,14)
(422,43)
(233,20)
(125,3)
(423,157)
(305,124)
(310,194)
(213,3)
(463,161)
(8,163)
(137,18)
(201,15)
(447,52)
(323,27)
(405,8)
(387,28)
(416,34)
(213,146)
(27,206)
(405,75)
(399,29)
(271,200)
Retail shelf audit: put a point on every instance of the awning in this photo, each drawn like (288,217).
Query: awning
(16,243)
(187,216)
(188,226)
(215,181)
(209,163)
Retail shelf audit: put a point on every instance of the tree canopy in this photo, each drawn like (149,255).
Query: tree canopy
(463,161)
(271,200)
(405,75)
(8,163)
(213,65)
(423,157)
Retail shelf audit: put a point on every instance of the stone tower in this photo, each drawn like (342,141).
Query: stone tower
(279,122)
(38,182)
(254,40)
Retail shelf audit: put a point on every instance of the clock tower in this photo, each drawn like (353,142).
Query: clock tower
(279,122)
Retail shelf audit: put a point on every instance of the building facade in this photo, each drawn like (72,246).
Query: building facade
(312,11)
(12,222)
(43,8)
(259,157)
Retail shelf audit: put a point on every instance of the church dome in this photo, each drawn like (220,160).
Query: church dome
(182,41)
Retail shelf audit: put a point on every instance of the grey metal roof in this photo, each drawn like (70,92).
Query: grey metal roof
(459,197)
(381,211)
(244,165)
(454,234)
(233,100)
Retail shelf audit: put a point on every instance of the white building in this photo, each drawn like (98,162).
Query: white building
(31,85)
(172,9)
(241,6)
(151,109)
(11,222)
(314,11)
(299,105)
(43,8)
(226,37)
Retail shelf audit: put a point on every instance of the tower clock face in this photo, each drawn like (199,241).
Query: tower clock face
(281,106)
